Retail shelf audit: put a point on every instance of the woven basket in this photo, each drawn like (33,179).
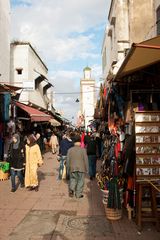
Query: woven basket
(3,176)
(113,214)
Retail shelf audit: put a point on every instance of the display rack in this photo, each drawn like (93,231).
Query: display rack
(147,139)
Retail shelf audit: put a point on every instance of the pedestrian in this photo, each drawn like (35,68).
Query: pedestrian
(33,161)
(65,144)
(16,160)
(40,142)
(92,150)
(82,140)
(54,143)
(99,144)
(77,163)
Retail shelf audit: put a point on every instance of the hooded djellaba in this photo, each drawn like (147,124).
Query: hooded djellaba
(16,158)
(33,161)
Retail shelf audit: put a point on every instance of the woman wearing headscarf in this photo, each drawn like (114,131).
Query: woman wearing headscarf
(16,160)
(33,161)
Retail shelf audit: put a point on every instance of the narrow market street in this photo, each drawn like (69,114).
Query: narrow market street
(50,214)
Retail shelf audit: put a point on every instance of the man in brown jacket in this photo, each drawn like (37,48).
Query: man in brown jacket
(77,164)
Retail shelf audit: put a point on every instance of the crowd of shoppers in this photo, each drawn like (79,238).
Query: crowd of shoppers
(76,151)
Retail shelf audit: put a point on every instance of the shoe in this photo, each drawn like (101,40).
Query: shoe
(91,178)
(13,190)
(36,189)
(22,186)
(81,196)
(71,194)
(30,188)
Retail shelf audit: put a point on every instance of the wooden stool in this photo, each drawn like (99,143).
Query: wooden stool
(153,217)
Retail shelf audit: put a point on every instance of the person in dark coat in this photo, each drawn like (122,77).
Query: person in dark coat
(65,144)
(92,150)
(40,142)
(16,160)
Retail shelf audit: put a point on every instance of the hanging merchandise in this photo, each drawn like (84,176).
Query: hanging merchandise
(114,200)
(110,178)
(5,99)
(115,108)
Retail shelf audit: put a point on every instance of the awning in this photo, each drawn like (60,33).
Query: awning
(54,122)
(140,56)
(35,115)
(8,88)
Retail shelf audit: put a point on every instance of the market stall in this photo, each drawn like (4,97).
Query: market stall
(133,110)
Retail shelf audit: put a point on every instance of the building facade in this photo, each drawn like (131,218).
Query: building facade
(130,22)
(4,41)
(87,100)
(29,72)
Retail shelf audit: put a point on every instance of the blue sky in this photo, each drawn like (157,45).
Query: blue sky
(67,35)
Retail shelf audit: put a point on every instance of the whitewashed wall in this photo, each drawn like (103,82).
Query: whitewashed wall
(135,21)
(24,56)
(4,41)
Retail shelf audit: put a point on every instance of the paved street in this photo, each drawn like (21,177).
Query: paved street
(51,215)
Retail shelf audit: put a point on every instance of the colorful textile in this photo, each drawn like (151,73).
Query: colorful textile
(4,166)
(5,99)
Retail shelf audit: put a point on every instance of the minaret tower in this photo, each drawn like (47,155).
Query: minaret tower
(87,100)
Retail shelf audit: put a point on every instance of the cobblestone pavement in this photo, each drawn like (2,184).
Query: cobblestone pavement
(50,214)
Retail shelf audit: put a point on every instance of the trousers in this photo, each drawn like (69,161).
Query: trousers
(76,183)
(61,166)
(92,160)
(13,175)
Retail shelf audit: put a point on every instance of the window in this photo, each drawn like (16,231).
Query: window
(19,71)
(158,20)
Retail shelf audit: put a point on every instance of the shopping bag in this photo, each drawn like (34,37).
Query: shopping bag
(64,172)
(54,150)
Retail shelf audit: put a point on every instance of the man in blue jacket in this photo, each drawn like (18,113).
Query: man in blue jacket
(65,144)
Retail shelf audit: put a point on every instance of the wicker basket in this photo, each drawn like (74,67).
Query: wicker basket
(3,176)
(113,214)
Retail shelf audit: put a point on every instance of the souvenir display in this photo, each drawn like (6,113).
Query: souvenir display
(147,139)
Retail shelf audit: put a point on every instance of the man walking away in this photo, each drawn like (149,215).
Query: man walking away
(77,163)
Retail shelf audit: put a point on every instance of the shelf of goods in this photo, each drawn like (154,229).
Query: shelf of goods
(147,139)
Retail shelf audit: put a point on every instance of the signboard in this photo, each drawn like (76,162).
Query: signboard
(29,85)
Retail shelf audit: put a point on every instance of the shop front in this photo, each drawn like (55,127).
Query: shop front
(7,125)
(132,158)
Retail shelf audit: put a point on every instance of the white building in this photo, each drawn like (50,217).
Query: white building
(29,72)
(129,22)
(87,101)
(4,41)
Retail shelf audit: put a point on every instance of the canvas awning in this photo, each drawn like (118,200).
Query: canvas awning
(54,122)
(9,88)
(140,56)
(35,115)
